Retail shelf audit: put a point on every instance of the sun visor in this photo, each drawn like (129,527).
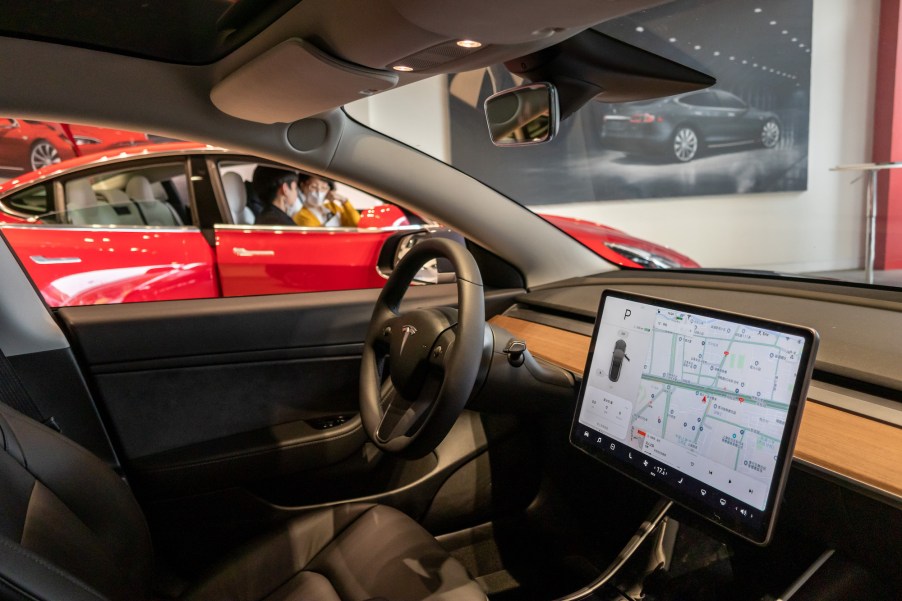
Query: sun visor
(295,80)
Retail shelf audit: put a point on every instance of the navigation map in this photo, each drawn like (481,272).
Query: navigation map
(706,396)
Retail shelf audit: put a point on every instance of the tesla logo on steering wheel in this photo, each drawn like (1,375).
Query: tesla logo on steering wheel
(408,332)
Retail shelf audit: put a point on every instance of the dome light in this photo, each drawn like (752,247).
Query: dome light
(469,44)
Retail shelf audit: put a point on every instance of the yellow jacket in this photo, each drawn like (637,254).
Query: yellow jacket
(348,215)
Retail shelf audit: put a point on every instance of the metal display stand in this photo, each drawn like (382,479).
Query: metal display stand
(870,237)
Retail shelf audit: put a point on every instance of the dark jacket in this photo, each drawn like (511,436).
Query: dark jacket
(273,215)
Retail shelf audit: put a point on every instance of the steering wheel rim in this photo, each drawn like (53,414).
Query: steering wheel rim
(410,411)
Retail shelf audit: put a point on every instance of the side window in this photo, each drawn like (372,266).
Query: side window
(701,99)
(345,206)
(729,101)
(309,236)
(155,195)
(34,202)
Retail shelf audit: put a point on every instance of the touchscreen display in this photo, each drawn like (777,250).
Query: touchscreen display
(700,405)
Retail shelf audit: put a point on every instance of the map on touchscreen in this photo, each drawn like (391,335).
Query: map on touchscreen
(699,394)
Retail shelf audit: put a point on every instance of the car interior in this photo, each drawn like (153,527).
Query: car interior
(414,441)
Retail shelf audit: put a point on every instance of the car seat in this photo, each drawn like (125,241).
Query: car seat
(236,195)
(154,211)
(82,206)
(71,529)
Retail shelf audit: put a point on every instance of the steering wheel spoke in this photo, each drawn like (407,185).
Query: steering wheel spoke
(401,417)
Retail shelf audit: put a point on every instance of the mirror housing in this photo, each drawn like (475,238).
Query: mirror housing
(592,65)
(437,271)
(523,116)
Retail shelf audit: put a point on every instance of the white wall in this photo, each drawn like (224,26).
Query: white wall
(416,114)
(819,229)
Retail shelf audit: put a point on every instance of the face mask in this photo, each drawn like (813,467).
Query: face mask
(295,206)
(313,200)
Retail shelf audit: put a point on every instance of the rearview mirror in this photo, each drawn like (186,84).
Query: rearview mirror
(523,116)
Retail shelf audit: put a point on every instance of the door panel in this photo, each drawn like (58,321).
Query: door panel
(85,266)
(215,385)
(273,260)
(232,414)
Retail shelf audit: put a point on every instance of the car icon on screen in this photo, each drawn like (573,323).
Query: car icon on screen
(617,360)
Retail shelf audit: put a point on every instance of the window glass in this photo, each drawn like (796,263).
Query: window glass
(154,195)
(33,201)
(701,99)
(730,101)
(363,210)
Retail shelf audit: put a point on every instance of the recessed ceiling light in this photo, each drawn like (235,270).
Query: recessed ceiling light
(640,29)
(757,10)
(717,53)
(697,47)
(732,58)
(785,32)
(801,45)
(745,62)
(404,68)
(795,39)
(469,44)
(773,22)
(672,40)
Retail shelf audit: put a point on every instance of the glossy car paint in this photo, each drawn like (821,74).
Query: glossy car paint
(78,265)
(90,266)
(273,260)
(598,237)
(89,139)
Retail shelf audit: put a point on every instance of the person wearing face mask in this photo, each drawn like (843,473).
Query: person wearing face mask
(277,189)
(322,207)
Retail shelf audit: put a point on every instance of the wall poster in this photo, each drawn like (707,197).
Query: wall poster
(747,134)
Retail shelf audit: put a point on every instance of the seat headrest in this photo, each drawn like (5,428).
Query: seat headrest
(80,195)
(139,188)
(116,197)
(235,192)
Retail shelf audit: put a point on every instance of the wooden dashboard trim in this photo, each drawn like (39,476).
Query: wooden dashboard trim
(850,445)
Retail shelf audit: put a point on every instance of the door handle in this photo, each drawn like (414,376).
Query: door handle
(243,252)
(42,260)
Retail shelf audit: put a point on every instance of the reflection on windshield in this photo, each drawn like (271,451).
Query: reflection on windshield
(726,177)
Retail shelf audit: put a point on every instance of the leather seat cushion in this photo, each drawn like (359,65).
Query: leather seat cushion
(346,553)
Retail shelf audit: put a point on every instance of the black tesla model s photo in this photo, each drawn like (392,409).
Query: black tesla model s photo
(681,127)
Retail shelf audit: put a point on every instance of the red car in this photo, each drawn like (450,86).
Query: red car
(26,145)
(172,221)
(90,139)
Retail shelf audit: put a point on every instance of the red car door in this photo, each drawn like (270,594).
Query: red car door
(100,265)
(272,260)
(119,235)
(265,259)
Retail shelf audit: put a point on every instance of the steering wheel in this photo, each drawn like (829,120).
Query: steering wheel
(431,357)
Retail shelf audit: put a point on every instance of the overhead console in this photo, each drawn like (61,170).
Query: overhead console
(700,405)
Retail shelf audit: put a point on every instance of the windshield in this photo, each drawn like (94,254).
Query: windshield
(726,177)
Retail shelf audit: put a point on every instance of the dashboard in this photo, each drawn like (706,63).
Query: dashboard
(851,426)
